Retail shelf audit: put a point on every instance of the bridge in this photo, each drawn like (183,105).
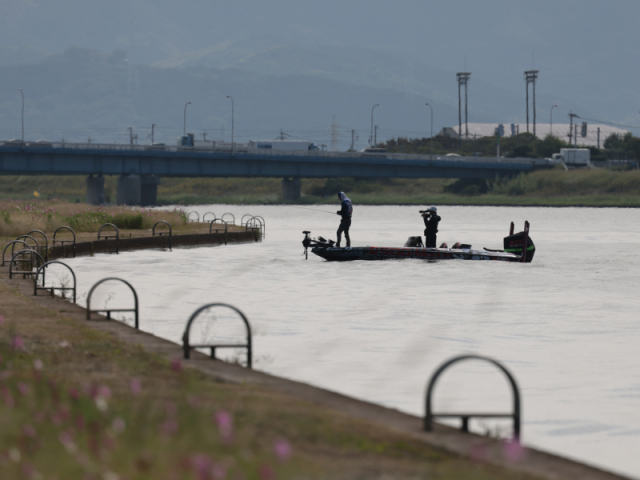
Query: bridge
(139,168)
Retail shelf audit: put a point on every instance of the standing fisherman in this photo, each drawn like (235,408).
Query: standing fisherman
(431,220)
(345,212)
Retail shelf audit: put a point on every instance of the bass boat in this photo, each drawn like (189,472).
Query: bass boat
(512,251)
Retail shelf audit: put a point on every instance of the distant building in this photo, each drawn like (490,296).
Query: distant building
(560,130)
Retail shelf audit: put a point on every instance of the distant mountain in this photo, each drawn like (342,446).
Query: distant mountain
(585,49)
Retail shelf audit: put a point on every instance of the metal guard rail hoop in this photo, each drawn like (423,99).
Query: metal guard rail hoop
(242,222)
(264,225)
(197,216)
(25,272)
(251,223)
(25,237)
(10,244)
(429,415)
(204,217)
(107,237)
(226,228)
(233,221)
(109,310)
(46,243)
(153,232)
(186,346)
(53,289)
(62,242)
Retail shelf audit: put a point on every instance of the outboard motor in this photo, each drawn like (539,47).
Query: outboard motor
(515,241)
(415,242)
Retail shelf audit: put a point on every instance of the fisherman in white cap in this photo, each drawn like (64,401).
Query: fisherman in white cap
(431,220)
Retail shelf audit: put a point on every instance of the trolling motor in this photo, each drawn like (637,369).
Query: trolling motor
(313,243)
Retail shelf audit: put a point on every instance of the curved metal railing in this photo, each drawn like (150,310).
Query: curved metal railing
(25,272)
(187,346)
(107,237)
(233,218)
(190,219)
(62,242)
(430,415)
(46,244)
(153,232)
(108,311)
(226,228)
(12,244)
(52,289)
(204,217)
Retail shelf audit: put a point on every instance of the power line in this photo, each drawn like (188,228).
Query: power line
(609,123)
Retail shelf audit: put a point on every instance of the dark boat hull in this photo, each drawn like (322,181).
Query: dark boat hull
(384,253)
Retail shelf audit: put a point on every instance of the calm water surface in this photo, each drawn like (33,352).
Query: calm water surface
(566,325)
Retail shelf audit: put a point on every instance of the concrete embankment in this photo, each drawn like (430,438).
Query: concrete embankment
(126,244)
(480,448)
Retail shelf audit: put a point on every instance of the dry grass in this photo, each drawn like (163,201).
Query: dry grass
(18,217)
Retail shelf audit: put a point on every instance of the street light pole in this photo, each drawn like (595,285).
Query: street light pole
(371,137)
(232,123)
(153,126)
(22,114)
(431,129)
(185,118)
(551,120)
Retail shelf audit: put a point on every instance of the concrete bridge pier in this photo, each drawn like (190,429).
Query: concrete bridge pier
(95,190)
(291,188)
(149,190)
(136,190)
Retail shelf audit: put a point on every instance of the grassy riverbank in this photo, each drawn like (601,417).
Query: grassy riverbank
(585,187)
(78,403)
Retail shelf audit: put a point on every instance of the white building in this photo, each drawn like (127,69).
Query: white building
(560,130)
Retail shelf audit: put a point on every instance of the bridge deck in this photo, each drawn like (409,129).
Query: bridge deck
(89,159)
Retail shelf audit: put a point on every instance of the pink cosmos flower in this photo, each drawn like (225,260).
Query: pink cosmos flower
(513,451)
(1,319)
(37,364)
(17,343)
(176,365)
(282,449)
(23,388)
(224,420)
(135,386)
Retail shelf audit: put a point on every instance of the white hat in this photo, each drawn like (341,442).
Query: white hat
(433,209)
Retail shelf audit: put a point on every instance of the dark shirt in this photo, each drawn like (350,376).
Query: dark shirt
(347,209)
(431,222)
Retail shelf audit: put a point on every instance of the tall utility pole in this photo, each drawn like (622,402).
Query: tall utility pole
(232,122)
(375,136)
(371,136)
(334,134)
(598,138)
(431,129)
(353,139)
(571,117)
(22,114)
(551,120)
(185,118)
(153,127)
(463,80)
(530,76)
(131,136)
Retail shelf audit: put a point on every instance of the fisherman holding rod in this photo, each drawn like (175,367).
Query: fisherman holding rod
(345,212)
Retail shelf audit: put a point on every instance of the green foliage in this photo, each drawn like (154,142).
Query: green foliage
(128,222)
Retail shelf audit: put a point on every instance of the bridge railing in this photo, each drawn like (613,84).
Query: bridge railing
(278,153)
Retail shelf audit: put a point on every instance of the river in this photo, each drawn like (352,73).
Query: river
(565,325)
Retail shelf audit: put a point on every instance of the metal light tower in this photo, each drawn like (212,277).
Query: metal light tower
(531,76)
(22,114)
(463,80)
(185,118)
(431,129)
(551,120)
(371,136)
(232,122)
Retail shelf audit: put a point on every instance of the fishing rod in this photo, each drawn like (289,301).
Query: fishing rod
(313,209)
